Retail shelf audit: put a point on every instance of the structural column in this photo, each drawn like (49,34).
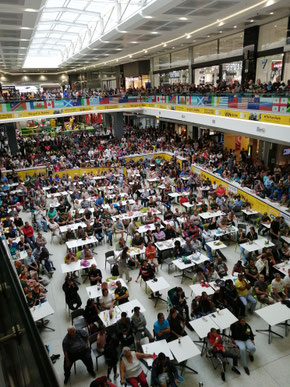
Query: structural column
(251,37)
(118,125)
(11,134)
(107,120)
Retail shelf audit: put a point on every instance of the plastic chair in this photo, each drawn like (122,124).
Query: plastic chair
(77,318)
(109,258)
(93,346)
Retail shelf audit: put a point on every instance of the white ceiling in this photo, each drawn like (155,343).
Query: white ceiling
(72,34)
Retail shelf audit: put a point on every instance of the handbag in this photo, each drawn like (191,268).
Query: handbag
(115,270)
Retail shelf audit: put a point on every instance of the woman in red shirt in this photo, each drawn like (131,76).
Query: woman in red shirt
(221,353)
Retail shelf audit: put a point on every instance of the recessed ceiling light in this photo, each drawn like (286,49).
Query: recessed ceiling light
(145,51)
(30,10)
(118,49)
(134,42)
(220,32)
(123,32)
(173,47)
(183,18)
(221,24)
(252,20)
(235,26)
(25,28)
(208,36)
(271,13)
(148,17)
(164,45)
(275,25)
(154,32)
(188,36)
(130,56)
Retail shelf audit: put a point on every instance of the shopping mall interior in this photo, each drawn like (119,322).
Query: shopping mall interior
(144,193)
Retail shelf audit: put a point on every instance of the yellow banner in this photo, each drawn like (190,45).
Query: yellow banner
(233,114)
(131,105)
(37,113)
(107,107)
(275,119)
(30,172)
(161,106)
(6,116)
(259,205)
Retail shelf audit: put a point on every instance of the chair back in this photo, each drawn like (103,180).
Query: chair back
(93,338)
(76,313)
(109,254)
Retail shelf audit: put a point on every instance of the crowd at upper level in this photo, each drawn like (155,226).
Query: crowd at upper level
(221,88)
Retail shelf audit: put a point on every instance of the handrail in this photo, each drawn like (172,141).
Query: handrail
(26,360)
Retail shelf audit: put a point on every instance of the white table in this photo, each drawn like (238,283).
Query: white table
(283,267)
(225,231)
(157,286)
(73,226)
(95,291)
(184,349)
(75,266)
(197,289)
(286,239)
(250,212)
(145,228)
(250,247)
(202,327)
(223,318)
(216,245)
(179,263)
(41,311)
(276,314)
(153,180)
(128,307)
(57,194)
(105,316)
(208,215)
(187,205)
(157,347)
(80,242)
(261,242)
(169,244)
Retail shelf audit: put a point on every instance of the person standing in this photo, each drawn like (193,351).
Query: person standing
(76,347)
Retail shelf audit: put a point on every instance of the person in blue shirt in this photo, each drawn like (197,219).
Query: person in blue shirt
(161,328)
(238,202)
(99,200)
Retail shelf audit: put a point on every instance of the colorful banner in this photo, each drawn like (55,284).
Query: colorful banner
(37,113)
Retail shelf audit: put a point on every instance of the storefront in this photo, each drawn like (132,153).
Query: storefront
(171,77)
(137,82)
(269,68)
(206,75)
(232,72)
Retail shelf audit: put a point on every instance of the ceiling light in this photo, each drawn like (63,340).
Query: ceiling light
(183,18)
(221,24)
(271,13)
(235,26)
(154,32)
(25,28)
(148,17)
(134,42)
(220,32)
(145,51)
(130,56)
(252,20)
(30,10)
(208,36)
(173,48)
(275,25)
(188,36)
(123,32)
(118,49)
(164,45)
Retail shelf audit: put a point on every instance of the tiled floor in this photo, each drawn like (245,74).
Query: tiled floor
(271,365)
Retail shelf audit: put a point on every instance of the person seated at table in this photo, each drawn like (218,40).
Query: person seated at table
(251,272)
(211,273)
(199,276)
(231,219)
(85,204)
(177,324)
(130,368)
(169,232)
(87,215)
(196,244)
(164,372)
(149,237)
(222,222)
(21,245)
(262,291)
(150,254)
(222,353)
(201,306)
(11,233)
(187,248)
(98,230)
(168,215)
(106,300)
(86,253)
(138,323)
(278,288)
(119,228)
(238,268)
(193,231)
(81,234)
(121,293)
(28,231)
(77,216)
(179,302)
(100,200)
(219,298)
(32,266)
(72,297)
(69,235)
(220,191)
(165,199)
(138,241)
(241,238)
(70,257)
(183,199)
(245,296)
(161,328)
(159,235)
(52,214)
(95,275)
(178,250)
(285,250)
(150,218)
(124,330)
(91,315)
(221,267)
(264,220)
(243,335)
(147,271)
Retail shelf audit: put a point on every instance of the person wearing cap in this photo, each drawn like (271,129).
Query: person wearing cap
(130,367)
(164,372)
(138,322)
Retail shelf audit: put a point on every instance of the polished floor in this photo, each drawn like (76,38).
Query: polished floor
(269,369)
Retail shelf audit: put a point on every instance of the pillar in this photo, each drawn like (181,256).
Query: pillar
(107,119)
(11,134)
(151,72)
(264,149)
(118,125)
(190,61)
(251,37)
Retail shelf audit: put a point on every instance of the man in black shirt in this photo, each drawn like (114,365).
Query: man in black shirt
(274,230)
(177,324)
(95,275)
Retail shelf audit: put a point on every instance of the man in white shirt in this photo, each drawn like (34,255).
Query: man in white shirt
(279,290)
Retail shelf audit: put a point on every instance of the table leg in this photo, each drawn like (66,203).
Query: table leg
(43,324)
(183,275)
(183,365)
(269,331)
(286,327)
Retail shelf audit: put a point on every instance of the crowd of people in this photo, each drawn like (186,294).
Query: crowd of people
(99,205)
(248,88)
